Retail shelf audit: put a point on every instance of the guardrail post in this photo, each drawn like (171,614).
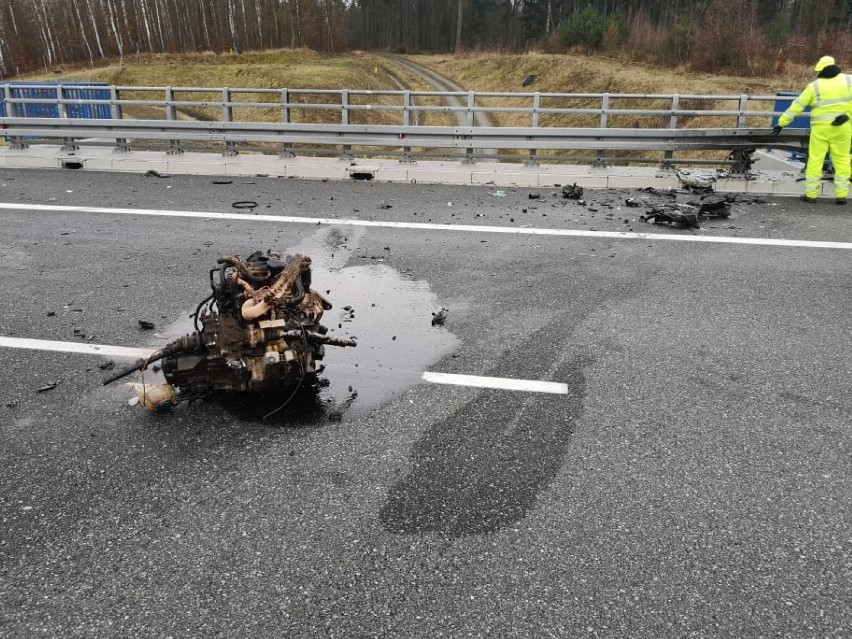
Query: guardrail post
(533,159)
(17,143)
(471,122)
(171,115)
(406,122)
(228,116)
(742,157)
(121,144)
(741,118)
(286,117)
(667,164)
(599,160)
(344,119)
(61,107)
(68,146)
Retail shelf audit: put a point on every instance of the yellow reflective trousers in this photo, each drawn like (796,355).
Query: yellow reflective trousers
(835,141)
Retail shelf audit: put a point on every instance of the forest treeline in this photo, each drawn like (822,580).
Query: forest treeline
(743,36)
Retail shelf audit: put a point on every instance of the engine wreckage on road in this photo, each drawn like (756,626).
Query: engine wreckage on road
(258,331)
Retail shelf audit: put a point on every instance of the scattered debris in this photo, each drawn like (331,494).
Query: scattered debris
(572,191)
(440,317)
(632,202)
(497,193)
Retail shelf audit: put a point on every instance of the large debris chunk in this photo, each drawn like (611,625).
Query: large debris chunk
(678,215)
(259,330)
(696,181)
(716,206)
(572,191)
(690,215)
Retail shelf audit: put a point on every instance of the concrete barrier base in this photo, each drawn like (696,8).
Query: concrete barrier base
(773,176)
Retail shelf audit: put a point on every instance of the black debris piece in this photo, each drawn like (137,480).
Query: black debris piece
(156,174)
(244,204)
(47,387)
(145,325)
(223,181)
(572,191)
(742,160)
(535,196)
(650,190)
(440,317)
(716,206)
(384,205)
(682,216)
(530,79)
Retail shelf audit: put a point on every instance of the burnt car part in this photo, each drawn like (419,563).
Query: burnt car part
(690,215)
(258,330)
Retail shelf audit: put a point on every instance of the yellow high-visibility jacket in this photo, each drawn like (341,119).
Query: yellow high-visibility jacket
(827,97)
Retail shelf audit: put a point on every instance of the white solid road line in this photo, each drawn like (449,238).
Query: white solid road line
(465,228)
(527,385)
(502,383)
(74,347)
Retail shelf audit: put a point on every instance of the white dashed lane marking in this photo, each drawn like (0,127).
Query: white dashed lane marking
(106,350)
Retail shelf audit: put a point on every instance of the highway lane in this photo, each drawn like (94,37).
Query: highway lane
(693,481)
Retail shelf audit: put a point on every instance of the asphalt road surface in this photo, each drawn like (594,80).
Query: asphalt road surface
(691,478)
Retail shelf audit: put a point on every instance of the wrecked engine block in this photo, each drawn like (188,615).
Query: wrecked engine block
(259,330)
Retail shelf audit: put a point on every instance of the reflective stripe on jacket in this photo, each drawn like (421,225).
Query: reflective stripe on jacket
(827,97)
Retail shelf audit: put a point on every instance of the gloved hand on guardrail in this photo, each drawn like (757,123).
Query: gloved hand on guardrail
(840,119)
(777,129)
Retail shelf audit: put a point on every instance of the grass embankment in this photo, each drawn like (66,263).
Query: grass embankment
(585,74)
(299,69)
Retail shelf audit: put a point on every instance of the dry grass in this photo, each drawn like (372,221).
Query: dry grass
(299,69)
(588,74)
(594,75)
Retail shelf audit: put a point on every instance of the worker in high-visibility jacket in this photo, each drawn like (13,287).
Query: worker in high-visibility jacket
(830,99)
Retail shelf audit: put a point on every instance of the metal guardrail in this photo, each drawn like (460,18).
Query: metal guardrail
(405,122)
